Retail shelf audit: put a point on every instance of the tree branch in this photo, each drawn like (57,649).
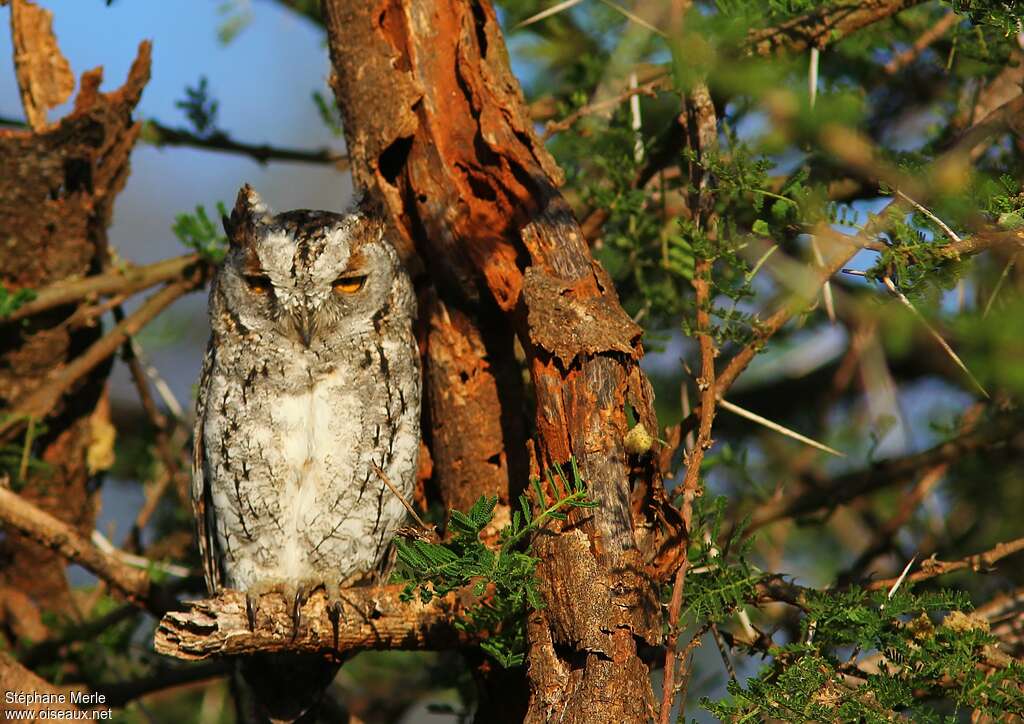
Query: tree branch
(820,27)
(128,280)
(133,583)
(845,488)
(931,568)
(160,135)
(371,618)
(703,133)
(157,134)
(39,402)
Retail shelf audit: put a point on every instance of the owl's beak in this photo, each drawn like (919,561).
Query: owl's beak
(305,325)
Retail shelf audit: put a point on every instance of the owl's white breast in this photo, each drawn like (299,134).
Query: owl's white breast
(319,433)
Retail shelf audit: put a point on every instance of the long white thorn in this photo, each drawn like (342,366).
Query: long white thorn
(935,335)
(553,10)
(939,222)
(812,75)
(826,290)
(776,427)
(899,581)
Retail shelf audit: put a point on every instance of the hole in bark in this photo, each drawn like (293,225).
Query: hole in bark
(525,179)
(77,176)
(495,460)
(464,376)
(393,158)
(480,25)
(481,189)
(422,198)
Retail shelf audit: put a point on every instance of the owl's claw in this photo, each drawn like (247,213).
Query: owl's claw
(335,611)
(297,602)
(251,604)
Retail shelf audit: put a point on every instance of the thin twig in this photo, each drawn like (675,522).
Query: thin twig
(826,289)
(160,135)
(703,136)
(849,486)
(932,568)
(899,581)
(822,25)
(547,13)
(629,15)
(172,569)
(929,36)
(391,486)
(999,285)
(648,88)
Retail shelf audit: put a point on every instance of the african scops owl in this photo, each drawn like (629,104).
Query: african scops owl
(309,398)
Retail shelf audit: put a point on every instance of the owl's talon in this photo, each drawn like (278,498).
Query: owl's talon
(335,612)
(297,602)
(251,604)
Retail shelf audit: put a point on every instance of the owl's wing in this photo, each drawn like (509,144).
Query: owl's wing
(202,502)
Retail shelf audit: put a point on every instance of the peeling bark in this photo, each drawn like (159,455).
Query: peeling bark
(57,189)
(437,128)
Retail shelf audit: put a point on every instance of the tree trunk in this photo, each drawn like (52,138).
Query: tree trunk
(437,128)
(57,190)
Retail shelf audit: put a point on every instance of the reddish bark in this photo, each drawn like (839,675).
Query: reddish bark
(57,189)
(437,127)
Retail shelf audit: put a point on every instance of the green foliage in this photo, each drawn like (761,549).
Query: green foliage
(503,578)
(11,301)
(1006,17)
(199,232)
(200,108)
(918,643)
(236,18)
(17,460)
(329,114)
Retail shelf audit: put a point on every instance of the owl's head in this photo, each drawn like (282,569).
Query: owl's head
(309,276)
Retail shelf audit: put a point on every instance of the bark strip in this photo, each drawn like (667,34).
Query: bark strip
(437,128)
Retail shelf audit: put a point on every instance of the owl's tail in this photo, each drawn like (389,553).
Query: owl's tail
(281,688)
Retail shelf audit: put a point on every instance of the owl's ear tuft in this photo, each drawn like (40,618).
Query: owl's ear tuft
(249,212)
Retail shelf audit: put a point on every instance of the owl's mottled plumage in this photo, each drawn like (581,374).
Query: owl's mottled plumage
(309,395)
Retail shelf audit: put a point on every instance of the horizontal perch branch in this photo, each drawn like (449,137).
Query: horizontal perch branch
(371,618)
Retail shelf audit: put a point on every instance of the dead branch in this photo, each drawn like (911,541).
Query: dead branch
(605,106)
(56,535)
(371,618)
(821,26)
(926,38)
(931,568)
(128,280)
(16,680)
(39,402)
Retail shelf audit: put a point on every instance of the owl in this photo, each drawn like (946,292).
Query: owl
(308,407)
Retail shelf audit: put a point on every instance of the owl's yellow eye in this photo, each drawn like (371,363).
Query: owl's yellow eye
(258,283)
(349,285)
